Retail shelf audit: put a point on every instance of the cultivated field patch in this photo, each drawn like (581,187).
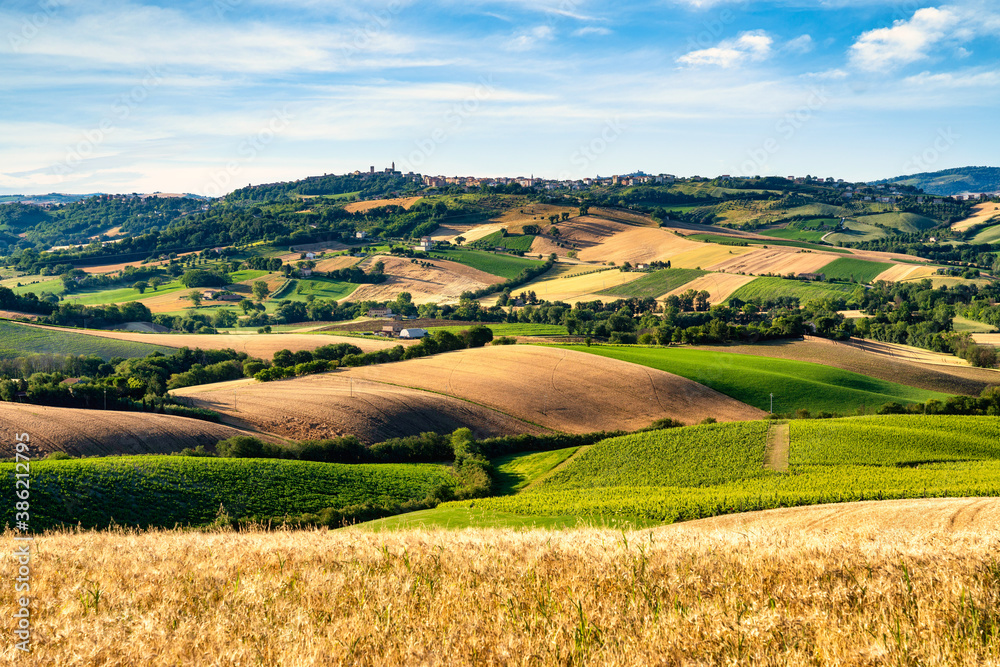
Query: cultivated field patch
(443,282)
(720,286)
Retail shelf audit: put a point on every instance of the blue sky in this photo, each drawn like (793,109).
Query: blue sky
(211,95)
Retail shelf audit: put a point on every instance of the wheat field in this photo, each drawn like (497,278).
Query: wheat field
(860,594)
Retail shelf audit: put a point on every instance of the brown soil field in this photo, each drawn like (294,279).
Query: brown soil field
(982,213)
(13,315)
(256,345)
(492,389)
(719,285)
(639,244)
(623,216)
(963,380)
(779,261)
(114,231)
(405,202)
(334,263)
(335,404)
(890,583)
(442,283)
(939,516)
(905,352)
(534,214)
(563,390)
(111,268)
(709,254)
(104,432)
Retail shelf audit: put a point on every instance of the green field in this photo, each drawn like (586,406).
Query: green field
(655,284)
(718,238)
(320,288)
(987,235)
(858,270)
(51,285)
(164,491)
(517,471)
(498,240)
(514,329)
(795,384)
(906,223)
(702,471)
(247,274)
(505,266)
(19,339)
(120,294)
(772,288)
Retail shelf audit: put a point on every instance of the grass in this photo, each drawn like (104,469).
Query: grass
(505,266)
(963,325)
(122,294)
(321,288)
(987,235)
(750,379)
(907,223)
(164,491)
(19,339)
(858,270)
(654,284)
(719,238)
(773,288)
(498,240)
(516,471)
(247,274)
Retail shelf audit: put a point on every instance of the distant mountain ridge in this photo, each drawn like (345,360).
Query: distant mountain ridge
(953,181)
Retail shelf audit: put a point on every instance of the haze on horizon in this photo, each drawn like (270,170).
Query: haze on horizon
(207,97)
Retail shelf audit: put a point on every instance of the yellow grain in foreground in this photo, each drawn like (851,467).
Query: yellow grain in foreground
(678,595)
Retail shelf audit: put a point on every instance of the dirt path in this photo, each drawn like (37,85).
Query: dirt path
(545,476)
(776,454)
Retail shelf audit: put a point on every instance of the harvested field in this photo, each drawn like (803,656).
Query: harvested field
(405,202)
(904,272)
(563,390)
(982,214)
(507,389)
(444,282)
(779,261)
(904,352)
(334,263)
(104,432)
(709,254)
(111,268)
(12,315)
(376,324)
(623,216)
(533,214)
(720,286)
(894,582)
(579,287)
(639,244)
(987,339)
(470,233)
(953,380)
(342,403)
(256,345)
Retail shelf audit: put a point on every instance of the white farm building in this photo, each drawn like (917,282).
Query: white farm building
(412,333)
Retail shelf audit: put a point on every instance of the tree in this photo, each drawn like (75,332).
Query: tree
(260,290)
(140,286)
(155,283)
(246,305)
(195,297)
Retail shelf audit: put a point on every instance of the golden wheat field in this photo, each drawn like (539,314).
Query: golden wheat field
(572,287)
(718,285)
(902,589)
(709,254)
(903,272)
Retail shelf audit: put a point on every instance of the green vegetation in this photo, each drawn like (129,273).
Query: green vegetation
(655,284)
(702,471)
(505,266)
(857,270)
(318,288)
(906,223)
(163,491)
(516,471)
(501,329)
(498,239)
(774,288)
(21,339)
(810,231)
(796,385)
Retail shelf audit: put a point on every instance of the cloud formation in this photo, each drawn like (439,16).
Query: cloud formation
(751,46)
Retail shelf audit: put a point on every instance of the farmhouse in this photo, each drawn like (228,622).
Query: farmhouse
(426,244)
(380,312)
(208,294)
(361,235)
(392,329)
(310,255)
(305,272)
(412,333)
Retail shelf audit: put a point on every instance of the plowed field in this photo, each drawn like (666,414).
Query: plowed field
(639,244)
(779,261)
(903,272)
(719,285)
(442,283)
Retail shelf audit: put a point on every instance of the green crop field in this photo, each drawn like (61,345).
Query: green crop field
(795,233)
(771,288)
(907,223)
(655,284)
(51,285)
(321,288)
(702,471)
(718,238)
(246,274)
(119,294)
(505,266)
(795,384)
(498,240)
(19,339)
(163,491)
(517,471)
(515,329)
(987,235)
(858,270)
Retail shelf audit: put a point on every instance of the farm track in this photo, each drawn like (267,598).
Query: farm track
(541,478)
(778,444)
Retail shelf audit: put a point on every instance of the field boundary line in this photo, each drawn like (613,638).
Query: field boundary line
(544,476)
(778,445)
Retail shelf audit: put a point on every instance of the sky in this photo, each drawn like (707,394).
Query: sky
(206,96)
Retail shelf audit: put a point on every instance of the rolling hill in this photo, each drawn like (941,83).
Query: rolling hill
(953,181)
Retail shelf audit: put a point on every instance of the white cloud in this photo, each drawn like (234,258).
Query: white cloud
(754,46)
(906,41)
(801,44)
(529,39)
(591,30)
